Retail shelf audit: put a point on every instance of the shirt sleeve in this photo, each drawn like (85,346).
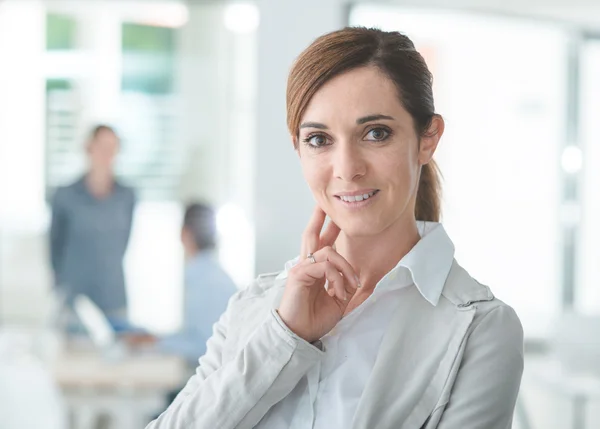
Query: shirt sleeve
(58,228)
(488,380)
(239,392)
(131,211)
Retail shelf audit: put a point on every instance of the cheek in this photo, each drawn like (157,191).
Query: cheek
(315,173)
(400,171)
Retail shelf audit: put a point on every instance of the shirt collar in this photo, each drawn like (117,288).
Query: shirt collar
(81,185)
(428,262)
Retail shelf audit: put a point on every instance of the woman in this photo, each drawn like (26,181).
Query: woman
(375,325)
(90,229)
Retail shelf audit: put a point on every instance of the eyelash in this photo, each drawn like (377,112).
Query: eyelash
(309,137)
(312,136)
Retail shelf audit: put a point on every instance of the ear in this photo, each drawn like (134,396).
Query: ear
(430,139)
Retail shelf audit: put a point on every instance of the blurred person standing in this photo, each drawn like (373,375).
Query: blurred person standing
(207,288)
(90,229)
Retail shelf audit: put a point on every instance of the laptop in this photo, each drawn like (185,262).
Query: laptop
(95,322)
(99,328)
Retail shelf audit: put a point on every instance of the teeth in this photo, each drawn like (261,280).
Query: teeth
(352,199)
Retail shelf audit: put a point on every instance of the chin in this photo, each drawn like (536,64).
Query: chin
(359,228)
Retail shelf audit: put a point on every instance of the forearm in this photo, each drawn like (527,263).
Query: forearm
(240,392)
(56,252)
(56,234)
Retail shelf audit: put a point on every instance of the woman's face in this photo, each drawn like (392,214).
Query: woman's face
(103,149)
(360,153)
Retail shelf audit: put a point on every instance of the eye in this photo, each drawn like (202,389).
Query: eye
(378,134)
(315,140)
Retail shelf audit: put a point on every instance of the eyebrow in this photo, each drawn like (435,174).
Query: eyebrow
(314,125)
(372,118)
(359,121)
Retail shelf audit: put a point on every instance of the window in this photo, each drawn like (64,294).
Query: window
(60,32)
(64,158)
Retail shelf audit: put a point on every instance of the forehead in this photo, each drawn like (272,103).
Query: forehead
(354,94)
(106,136)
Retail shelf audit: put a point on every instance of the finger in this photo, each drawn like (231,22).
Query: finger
(331,233)
(311,235)
(328,271)
(340,263)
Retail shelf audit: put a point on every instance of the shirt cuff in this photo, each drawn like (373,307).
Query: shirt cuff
(301,343)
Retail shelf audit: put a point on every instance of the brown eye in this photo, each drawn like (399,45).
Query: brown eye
(377,134)
(316,141)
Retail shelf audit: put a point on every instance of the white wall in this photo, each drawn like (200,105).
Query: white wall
(201,80)
(283,202)
(22,209)
(588,252)
(21,112)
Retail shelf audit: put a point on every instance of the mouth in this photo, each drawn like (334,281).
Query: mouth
(357,199)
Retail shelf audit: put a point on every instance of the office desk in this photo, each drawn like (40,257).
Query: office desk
(129,390)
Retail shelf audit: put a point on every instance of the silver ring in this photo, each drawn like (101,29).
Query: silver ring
(311,258)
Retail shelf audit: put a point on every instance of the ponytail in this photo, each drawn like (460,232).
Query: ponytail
(429,194)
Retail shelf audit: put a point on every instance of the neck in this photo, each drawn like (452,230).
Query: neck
(190,252)
(372,257)
(100,182)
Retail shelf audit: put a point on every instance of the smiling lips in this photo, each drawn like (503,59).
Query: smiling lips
(352,197)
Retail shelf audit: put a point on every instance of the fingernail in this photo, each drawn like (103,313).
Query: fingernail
(357,281)
(345,296)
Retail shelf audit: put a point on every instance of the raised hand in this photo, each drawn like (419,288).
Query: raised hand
(306,307)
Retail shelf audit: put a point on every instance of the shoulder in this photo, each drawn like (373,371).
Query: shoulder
(69,190)
(207,271)
(124,188)
(59,193)
(262,286)
(260,292)
(249,306)
(492,315)
(63,193)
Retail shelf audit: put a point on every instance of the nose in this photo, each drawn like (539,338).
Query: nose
(349,163)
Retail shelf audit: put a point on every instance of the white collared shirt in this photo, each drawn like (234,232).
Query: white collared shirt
(328,395)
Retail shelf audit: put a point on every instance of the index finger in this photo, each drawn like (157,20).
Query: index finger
(331,233)
(311,236)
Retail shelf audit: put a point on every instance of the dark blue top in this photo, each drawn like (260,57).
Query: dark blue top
(207,290)
(88,239)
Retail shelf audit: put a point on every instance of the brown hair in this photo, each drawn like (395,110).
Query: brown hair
(395,55)
(100,128)
(201,221)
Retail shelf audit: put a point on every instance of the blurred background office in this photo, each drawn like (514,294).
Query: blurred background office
(196,91)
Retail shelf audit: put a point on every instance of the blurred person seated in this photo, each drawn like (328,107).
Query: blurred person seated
(90,229)
(207,289)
